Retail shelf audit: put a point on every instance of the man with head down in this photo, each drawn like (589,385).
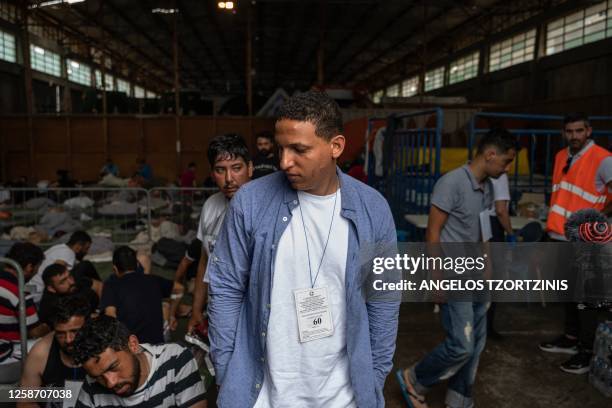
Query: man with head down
(289,323)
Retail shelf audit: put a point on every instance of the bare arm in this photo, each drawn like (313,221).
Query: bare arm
(34,367)
(200,293)
(178,290)
(38,331)
(501,210)
(181,270)
(97,287)
(435,223)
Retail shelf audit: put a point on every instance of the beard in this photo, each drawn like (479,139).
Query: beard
(133,382)
(67,349)
(265,152)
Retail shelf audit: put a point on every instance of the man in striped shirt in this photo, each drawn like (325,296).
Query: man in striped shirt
(29,257)
(122,372)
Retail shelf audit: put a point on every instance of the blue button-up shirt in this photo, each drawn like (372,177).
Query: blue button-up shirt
(240,271)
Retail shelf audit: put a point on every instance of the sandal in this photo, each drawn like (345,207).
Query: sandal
(409,397)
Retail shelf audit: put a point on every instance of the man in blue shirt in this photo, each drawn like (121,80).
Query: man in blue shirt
(144,170)
(292,316)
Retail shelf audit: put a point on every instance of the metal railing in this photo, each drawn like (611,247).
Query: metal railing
(23,331)
(412,160)
(541,136)
(117,213)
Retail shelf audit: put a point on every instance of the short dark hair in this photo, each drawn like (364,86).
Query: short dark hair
(499,138)
(52,271)
(79,237)
(25,253)
(124,259)
(265,134)
(229,145)
(70,306)
(97,335)
(317,108)
(576,117)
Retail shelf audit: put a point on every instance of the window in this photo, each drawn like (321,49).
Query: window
(377,97)
(139,92)
(8,50)
(151,95)
(434,79)
(583,27)
(108,78)
(520,48)
(45,61)
(410,87)
(393,91)
(79,73)
(123,86)
(464,68)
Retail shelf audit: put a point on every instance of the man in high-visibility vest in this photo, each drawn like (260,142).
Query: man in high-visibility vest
(582,178)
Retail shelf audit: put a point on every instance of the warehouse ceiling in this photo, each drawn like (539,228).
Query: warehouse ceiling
(360,38)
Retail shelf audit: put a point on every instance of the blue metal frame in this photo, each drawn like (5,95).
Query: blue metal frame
(412,163)
(535,135)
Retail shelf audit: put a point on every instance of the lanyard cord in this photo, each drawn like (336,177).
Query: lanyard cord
(312,283)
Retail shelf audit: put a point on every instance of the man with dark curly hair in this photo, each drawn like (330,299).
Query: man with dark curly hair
(289,322)
(135,374)
(50,363)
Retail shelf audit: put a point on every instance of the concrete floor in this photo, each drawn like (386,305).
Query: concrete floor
(513,373)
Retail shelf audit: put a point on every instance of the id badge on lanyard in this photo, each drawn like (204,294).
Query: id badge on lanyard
(313,314)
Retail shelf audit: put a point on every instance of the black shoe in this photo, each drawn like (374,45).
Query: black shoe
(561,344)
(578,364)
(494,335)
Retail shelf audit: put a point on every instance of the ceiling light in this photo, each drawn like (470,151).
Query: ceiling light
(53,3)
(39,50)
(164,11)
(74,64)
(227,5)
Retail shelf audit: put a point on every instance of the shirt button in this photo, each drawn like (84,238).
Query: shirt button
(263,334)
(258,386)
(262,359)
(295,202)
(285,219)
(268,305)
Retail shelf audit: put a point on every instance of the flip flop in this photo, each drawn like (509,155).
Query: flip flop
(399,374)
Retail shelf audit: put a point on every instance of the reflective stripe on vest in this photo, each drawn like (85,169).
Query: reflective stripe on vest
(574,189)
(561,211)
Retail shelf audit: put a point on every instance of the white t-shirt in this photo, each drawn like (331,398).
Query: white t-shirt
(211,218)
(315,373)
(60,252)
(501,190)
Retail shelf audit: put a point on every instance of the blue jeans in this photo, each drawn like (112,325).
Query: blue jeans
(456,358)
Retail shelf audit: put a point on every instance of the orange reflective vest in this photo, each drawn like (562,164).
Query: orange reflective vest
(576,189)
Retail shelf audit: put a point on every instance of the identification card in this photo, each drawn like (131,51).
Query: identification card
(313,314)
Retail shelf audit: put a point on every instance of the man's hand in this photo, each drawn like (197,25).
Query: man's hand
(172,323)
(194,320)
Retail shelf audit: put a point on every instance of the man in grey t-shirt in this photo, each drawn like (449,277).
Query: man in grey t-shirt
(458,199)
